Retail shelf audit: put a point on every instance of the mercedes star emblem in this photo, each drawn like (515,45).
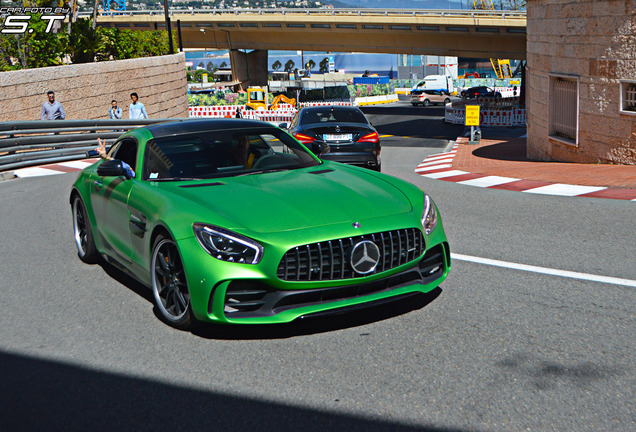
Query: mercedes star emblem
(364,257)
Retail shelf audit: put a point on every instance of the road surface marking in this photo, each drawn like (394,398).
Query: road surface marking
(545,270)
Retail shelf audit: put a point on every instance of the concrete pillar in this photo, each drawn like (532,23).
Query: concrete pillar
(249,68)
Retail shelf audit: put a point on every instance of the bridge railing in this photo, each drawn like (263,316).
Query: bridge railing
(457,13)
(26,143)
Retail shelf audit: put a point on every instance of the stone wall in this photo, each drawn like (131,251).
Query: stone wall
(86,90)
(596,42)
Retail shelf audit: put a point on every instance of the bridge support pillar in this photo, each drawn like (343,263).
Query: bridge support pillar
(249,68)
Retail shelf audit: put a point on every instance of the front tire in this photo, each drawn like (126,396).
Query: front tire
(169,284)
(82,233)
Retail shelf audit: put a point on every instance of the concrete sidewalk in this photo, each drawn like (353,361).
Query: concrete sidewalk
(502,164)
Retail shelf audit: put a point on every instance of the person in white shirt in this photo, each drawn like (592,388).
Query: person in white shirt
(136,110)
(115,112)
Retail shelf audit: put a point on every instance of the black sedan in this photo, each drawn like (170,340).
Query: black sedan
(338,133)
(481,91)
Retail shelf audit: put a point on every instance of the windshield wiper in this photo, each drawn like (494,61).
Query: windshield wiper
(175,179)
(263,171)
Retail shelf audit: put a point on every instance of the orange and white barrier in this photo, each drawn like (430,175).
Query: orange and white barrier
(284,113)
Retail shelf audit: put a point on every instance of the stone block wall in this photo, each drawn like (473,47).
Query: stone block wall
(596,42)
(86,90)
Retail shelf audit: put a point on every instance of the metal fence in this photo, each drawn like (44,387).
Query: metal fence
(26,143)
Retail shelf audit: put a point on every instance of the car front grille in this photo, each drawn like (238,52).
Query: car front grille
(255,298)
(331,260)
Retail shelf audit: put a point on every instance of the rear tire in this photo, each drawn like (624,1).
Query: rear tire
(82,233)
(414,104)
(169,284)
(426,102)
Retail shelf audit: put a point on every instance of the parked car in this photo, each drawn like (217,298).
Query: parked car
(338,133)
(481,91)
(234,221)
(427,97)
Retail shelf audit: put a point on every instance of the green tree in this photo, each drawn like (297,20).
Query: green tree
(222,65)
(277,65)
(311,64)
(324,65)
(33,49)
(84,42)
(289,66)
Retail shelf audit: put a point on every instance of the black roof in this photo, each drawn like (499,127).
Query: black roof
(184,126)
(323,108)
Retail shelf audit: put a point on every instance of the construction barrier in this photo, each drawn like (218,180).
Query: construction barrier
(508,117)
(285,111)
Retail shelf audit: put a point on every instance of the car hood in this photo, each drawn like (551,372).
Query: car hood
(290,200)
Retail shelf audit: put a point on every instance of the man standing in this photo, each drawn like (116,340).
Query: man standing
(52,110)
(136,110)
(115,113)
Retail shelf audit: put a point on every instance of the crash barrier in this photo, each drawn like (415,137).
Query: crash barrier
(284,110)
(26,143)
(487,117)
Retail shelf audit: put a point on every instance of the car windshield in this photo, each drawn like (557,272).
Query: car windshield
(327,114)
(224,153)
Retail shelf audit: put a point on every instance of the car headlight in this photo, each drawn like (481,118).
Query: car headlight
(226,245)
(429,215)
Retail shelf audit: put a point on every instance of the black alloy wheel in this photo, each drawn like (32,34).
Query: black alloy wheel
(82,233)
(169,284)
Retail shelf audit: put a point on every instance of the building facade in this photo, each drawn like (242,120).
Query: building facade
(581,77)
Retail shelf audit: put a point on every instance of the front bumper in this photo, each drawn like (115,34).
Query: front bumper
(251,298)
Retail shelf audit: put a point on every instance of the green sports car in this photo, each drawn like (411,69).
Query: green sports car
(234,221)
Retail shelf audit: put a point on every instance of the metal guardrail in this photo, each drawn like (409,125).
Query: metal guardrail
(442,13)
(26,143)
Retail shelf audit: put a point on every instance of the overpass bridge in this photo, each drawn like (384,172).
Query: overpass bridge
(457,33)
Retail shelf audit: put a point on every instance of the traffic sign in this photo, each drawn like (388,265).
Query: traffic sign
(472,115)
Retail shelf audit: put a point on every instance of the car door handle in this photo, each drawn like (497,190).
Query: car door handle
(98,185)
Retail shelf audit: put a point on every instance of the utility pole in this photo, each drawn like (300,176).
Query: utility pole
(168,26)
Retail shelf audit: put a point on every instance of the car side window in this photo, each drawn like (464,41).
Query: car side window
(126,151)
(294,122)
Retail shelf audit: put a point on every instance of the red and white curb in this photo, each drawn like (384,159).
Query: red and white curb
(440,167)
(52,169)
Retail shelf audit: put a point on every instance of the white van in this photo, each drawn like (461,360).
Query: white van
(443,83)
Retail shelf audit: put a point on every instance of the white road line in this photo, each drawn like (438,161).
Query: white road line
(488,181)
(434,167)
(439,161)
(545,270)
(441,156)
(452,152)
(34,172)
(564,189)
(444,174)
(76,164)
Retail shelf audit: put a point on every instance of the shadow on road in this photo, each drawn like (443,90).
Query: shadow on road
(45,395)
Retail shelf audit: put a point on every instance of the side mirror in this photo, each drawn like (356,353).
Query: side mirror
(282,125)
(112,168)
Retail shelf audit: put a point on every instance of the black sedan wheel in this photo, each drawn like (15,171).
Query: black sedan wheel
(82,233)
(169,286)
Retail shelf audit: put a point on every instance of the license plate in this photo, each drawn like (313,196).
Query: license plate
(337,137)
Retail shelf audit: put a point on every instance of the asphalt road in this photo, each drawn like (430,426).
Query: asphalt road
(494,350)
